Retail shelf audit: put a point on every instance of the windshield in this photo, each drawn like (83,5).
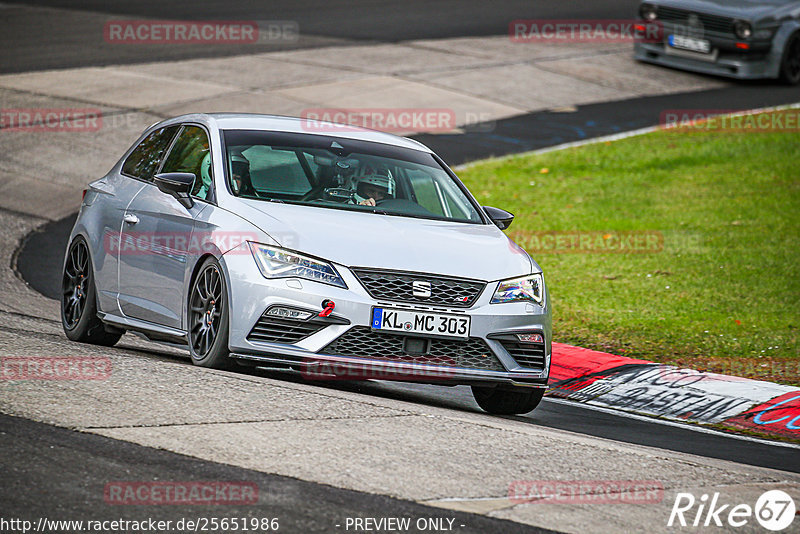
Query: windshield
(340,173)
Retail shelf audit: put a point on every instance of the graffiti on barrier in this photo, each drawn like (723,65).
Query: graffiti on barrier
(780,415)
(665,391)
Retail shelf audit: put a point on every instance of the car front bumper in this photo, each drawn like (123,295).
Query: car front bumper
(730,65)
(480,360)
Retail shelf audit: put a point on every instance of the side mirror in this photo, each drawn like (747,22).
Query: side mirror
(501,218)
(177,184)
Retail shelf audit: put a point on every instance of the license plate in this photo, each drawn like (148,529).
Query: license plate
(415,322)
(682,42)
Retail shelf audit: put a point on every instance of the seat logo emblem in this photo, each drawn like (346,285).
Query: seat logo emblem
(421,289)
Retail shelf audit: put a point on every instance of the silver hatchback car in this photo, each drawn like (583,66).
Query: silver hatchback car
(328,250)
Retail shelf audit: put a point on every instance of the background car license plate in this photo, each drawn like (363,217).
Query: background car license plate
(414,322)
(690,43)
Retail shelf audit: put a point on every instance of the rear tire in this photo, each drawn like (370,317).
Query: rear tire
(513,400)
(79,300)
(790,63)
(208,318)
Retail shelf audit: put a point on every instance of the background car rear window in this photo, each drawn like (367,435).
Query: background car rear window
(190,154)
(143,161)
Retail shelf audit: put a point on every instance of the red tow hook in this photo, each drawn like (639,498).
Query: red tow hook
(328,305)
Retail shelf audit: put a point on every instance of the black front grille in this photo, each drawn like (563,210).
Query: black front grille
(364,342)
(399,286)
(714,23)
(529,355)
(280,330)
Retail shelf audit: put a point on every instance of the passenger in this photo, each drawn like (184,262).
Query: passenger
(204,186)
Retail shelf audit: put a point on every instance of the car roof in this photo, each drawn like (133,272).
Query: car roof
(279,123)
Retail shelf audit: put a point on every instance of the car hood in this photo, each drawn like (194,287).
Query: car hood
(354,239)
(752,10)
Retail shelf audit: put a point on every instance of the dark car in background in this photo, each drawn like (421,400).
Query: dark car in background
(744,39)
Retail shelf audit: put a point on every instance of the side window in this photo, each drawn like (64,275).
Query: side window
(190,153)
(425,190)
(143,161)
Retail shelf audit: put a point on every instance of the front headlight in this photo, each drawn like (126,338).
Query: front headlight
(648,12)
(526,288)
(742,29)
(274,262)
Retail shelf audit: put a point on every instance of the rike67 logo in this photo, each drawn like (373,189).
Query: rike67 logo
(774,510)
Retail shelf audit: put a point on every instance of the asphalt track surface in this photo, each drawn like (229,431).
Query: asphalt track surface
(36,455)
(60,474)
(71,35)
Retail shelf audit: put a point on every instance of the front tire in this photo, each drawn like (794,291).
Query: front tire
(513,400)
(790,63)
(79,299)
(208,318)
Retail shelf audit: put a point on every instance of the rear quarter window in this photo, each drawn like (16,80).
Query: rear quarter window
(143,161)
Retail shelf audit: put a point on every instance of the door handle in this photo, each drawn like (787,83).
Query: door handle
(130,218)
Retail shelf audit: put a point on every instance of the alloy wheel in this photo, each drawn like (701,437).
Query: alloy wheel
(205,311)
(75,284)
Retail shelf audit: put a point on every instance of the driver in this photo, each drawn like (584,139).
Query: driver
(373,188)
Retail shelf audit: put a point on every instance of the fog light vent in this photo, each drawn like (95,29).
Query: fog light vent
(288,313)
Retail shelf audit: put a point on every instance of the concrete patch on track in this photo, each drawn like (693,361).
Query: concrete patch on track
(667,391)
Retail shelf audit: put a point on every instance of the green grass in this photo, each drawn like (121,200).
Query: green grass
(723,293)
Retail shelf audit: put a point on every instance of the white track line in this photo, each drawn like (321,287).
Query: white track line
(694,428)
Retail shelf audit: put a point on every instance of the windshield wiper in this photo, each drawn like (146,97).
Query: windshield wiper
(379,211)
